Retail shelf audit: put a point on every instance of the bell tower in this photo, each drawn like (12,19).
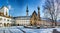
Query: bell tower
(27,11)
(38,13)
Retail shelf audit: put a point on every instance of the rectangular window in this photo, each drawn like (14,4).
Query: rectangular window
(8,20)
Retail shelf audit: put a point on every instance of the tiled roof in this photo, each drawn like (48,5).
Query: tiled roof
(34,12)
(2,14)
(22,17)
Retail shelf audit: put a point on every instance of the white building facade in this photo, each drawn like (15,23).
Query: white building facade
(22,20)
(4,10)
(5,19)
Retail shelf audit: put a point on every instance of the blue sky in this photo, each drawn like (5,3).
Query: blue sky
(18,7)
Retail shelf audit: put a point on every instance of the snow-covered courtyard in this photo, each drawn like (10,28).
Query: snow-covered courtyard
(21,29)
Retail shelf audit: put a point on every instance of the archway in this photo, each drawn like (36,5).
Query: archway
(5,24)
(8,24)
(18,24)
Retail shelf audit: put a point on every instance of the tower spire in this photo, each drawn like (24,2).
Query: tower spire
(39,13)
(27,11)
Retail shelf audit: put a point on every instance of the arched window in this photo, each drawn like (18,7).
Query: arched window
(0,19)
(8,24)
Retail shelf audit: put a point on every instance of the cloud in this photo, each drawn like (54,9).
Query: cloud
(11,10)
(10,7)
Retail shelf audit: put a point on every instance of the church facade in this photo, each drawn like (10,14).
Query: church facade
(36,19)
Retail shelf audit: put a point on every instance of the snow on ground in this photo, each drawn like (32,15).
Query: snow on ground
(20,29)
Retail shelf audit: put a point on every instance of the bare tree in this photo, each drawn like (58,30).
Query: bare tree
(51,9)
